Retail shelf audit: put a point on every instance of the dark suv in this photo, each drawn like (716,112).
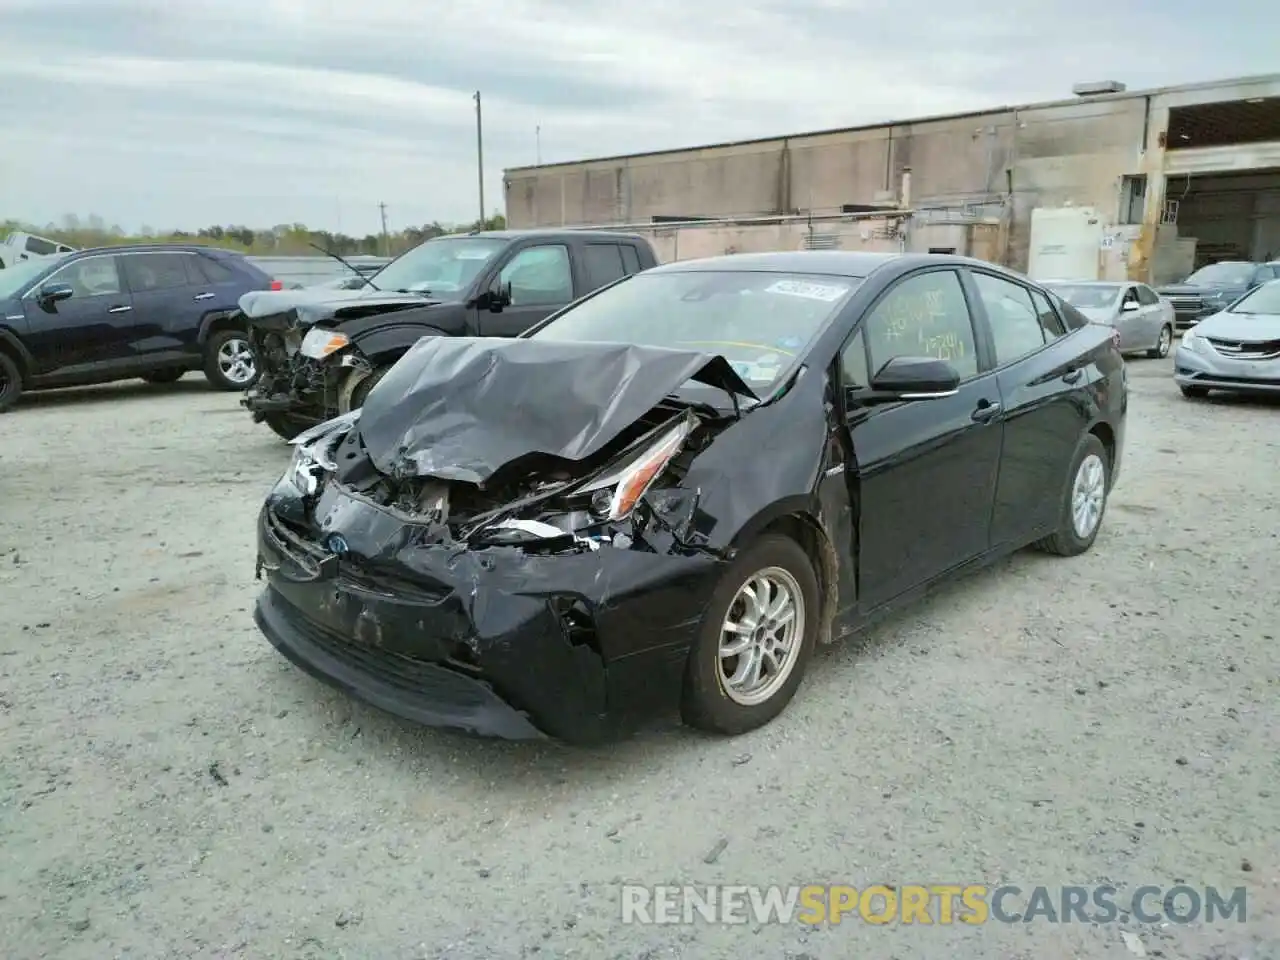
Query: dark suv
(1215,287)
(112,313)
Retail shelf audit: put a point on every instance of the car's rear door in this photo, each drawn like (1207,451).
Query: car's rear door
(163,300)
(925,470)
(1042,380)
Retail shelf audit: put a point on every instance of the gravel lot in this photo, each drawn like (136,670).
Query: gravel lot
(170,787)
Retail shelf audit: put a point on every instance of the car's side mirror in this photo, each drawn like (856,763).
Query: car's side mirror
(54,292)
(1130,305)
(498,296)
(915,378)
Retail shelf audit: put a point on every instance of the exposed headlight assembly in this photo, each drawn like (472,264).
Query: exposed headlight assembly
(318,343)
(617,493)
(313,449)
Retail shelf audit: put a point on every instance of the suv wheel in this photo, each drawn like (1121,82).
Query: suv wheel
(10,381)
(229,362)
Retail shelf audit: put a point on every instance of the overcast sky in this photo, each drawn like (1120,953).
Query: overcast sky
(189,112)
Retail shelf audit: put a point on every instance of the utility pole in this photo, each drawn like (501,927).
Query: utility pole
(386,239)
(537,138)
(480,157)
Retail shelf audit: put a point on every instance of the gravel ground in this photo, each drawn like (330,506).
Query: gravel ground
(170,787)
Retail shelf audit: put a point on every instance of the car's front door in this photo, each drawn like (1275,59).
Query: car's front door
(94,326)
(164,304)
(540,278)
(924,471)
(1041,389)
(1152,313)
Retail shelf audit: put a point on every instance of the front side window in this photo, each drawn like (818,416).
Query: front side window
(761,322)
(923,316)
(442,265)
(1015,324)
(155,271)
(92,277)
(539,276)
(1146,296)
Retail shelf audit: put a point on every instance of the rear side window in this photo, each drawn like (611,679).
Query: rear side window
(1050,322)
(630,259)
(40,247)
(1015,324)
(212,270)
(155,271)
(603,263)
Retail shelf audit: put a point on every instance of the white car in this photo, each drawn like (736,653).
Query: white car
(1144,319)
(18,247)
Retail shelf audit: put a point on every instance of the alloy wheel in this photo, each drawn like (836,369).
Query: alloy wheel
(760,637)
(235,361)
(1087,495)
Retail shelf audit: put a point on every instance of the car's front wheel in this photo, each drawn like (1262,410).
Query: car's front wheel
(1084,501)
(10,381)
(755,640)
(229,362)
(1161,349)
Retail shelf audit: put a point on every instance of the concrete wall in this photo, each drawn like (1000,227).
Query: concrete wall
(1075,152)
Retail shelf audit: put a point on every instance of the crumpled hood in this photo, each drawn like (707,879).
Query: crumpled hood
(1256,327)
(312,304)
(461,408)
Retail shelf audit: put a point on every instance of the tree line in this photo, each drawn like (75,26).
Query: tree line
(283,240)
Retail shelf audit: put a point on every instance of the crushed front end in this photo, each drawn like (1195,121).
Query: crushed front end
(291,385)
(555,598)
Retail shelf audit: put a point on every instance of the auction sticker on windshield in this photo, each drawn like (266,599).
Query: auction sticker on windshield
(826,292)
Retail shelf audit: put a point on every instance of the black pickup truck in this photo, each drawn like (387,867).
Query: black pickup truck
(319,352)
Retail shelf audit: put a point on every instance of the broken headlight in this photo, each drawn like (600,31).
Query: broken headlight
(615,494)
(313,449)
(318,344)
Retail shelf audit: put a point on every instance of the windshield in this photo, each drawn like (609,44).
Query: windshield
(19,275)
(1265,300)
(1223,274)
(443,265)
(759,322)
(1086,296)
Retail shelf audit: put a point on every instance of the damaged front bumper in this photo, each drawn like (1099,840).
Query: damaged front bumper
(498,641)
(291,384)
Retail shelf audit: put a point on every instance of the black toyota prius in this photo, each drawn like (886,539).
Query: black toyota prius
(669,492)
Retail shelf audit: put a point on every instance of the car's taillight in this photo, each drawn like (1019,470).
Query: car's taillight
(279,285)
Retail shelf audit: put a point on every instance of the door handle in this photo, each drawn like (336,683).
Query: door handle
(985,412)
(203,296)
(1071,376)
(119,309)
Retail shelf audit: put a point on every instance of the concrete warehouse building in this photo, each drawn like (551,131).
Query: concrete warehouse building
(1108,184)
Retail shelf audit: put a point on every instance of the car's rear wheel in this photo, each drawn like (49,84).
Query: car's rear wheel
(229,362)
(1161,349)
(1194,393)
(286,425)
(10,381)
(164,376)
(1084,502)
(755,639)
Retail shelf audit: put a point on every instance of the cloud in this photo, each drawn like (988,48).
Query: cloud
(269,111)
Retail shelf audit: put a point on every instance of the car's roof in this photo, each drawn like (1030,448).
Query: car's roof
(550,234)
(157,248)
(837,263)
(1088,283)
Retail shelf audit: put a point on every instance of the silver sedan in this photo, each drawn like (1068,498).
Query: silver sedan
(1236,350)
(1143,319)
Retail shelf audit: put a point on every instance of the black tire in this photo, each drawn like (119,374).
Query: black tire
(1163,345)
(214,360)
(1066,542)
(355,391)
(286,425)
(705,704)
(1194,393)
(10,381)
(164,376)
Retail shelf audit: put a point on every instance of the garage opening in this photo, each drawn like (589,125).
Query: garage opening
(1231,216)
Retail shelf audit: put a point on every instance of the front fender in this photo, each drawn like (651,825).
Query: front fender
(387,344)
